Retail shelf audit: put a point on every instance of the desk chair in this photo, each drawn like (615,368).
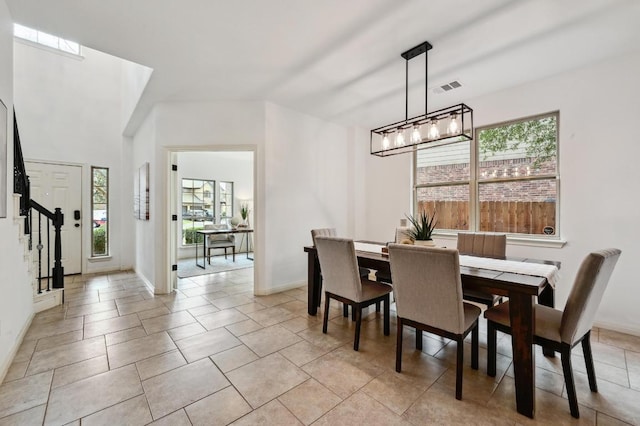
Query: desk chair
(562,330)
(428,291)
(482,245)
(343,282)
(223,241)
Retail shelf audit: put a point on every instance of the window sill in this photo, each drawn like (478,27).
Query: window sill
(512,240)
(100,259)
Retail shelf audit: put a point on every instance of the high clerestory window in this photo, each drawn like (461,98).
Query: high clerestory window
(505,180)
(45,39)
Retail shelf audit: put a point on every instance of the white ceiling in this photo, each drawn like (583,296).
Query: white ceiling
(338,59)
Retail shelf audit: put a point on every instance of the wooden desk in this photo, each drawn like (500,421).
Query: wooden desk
(205,232)
(521,290)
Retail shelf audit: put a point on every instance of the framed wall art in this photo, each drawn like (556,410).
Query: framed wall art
(141,193)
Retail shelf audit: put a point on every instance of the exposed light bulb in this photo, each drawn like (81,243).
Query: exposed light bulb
(453,124)
(434,133)
(400,138)
(385,141)
(415,135)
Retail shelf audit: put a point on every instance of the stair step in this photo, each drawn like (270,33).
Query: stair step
(47,299)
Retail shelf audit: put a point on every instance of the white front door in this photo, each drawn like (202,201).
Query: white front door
(57,185)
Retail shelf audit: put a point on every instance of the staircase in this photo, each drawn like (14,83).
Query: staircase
(48,286)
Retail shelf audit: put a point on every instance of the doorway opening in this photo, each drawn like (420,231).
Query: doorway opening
(212,233)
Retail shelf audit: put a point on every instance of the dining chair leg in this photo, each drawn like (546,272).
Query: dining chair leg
(459,366)
(492,337)
(345,310)
(474,346)
(233,250)
(588,360)
(399,346)
(358,313)
(418,339)
(325,320)
(565,356)
(378,306)
(387,315)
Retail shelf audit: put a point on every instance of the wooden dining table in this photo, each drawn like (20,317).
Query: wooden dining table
(522,291)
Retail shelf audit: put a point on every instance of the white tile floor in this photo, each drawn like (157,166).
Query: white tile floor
(212,353)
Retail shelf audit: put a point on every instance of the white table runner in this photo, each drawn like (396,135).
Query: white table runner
(372,248)
(550,272)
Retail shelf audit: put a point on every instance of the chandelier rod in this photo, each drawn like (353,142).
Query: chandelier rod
(426,80)
(408,55)
(406,91)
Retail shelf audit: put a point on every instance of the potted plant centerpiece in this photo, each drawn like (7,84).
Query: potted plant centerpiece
(244,212)
(422,228)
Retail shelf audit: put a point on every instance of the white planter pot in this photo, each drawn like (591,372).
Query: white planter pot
(425,243)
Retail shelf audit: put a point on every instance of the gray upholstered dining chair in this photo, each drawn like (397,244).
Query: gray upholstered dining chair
(562,330)
(331,232)
(428,291)
(402,235)
(342,281)
(223,241)
(482,244)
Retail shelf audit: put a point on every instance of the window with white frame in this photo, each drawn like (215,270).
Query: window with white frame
(100,211)
(505,180)
(226,202)
(198,200)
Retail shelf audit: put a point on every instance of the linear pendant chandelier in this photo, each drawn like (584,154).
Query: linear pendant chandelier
(441,127)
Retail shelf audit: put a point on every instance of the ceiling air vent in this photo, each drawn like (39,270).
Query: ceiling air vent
(447,87)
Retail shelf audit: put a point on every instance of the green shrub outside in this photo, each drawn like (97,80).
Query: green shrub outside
(100,240)
(190,234)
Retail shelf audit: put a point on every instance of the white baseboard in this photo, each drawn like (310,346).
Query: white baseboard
(634,331)
(281,288)
(4,368)
(146,282)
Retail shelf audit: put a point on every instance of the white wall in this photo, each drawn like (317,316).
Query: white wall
(143,151)
(134,80)
(388,189)
(198,126)
(236,167)
(16,303)
(69,111)
(599,150)
(307,186)
(302,180)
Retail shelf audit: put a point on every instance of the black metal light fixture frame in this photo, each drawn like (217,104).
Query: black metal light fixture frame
(441,127)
